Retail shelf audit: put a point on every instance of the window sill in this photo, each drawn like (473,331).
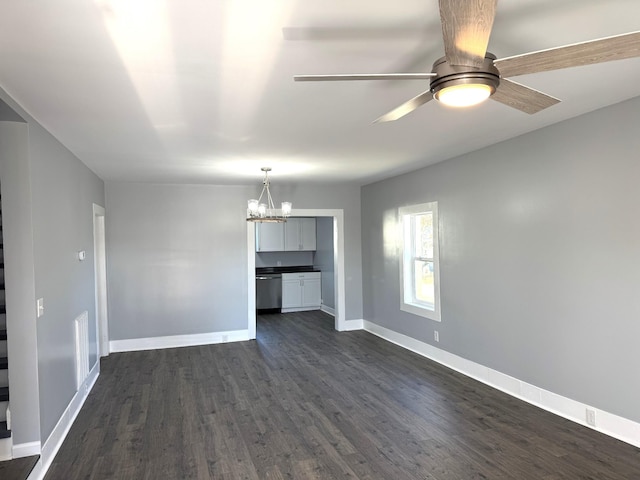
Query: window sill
(420,311)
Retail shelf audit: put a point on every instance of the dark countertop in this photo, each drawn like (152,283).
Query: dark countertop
(296,269)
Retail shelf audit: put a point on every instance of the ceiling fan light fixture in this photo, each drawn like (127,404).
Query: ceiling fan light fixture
(464,95)
(461,86)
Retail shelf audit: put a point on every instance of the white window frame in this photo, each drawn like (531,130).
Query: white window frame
(408,303)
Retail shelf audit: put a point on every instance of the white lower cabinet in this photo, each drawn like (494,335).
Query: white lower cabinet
(301,291)
(291,292)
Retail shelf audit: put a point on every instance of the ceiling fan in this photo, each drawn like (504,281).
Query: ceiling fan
(468,74)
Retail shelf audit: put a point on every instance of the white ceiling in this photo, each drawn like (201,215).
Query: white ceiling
(201,91)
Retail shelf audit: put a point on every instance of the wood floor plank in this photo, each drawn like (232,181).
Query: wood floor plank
(306,402)
(17,469)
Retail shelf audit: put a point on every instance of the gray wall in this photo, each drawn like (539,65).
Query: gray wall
(63,191)
(324,259)
(8,114)
(177,255)
(19,280)
(540,257)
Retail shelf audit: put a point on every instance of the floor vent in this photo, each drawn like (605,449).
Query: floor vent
(82,349)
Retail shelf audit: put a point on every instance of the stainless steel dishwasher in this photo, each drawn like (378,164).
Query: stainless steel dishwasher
(269,291)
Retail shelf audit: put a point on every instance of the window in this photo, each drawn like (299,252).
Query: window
(419,269)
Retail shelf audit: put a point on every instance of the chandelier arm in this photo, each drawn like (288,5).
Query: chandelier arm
(262,193)
(272,207)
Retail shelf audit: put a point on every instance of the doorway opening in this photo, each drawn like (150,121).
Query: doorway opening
(338,263)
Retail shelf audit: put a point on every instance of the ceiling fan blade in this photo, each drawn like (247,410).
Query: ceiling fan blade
(363,76)
(585,53)
(522,98)
(466,28)
(406,107)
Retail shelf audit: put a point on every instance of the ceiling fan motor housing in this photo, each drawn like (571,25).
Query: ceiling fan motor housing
(452,75)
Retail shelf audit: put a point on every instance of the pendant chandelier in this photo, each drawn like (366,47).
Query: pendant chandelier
(266,212)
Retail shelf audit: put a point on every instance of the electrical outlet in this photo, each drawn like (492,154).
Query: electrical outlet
(436,336)
(591,417)
(279,263)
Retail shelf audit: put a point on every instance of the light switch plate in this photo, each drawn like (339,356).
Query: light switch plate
(39,307)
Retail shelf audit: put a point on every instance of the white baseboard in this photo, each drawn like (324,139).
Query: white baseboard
(60,431)
(155,343)
(613,425)
(329,310)
(26,449)
(5,449)
(350,325)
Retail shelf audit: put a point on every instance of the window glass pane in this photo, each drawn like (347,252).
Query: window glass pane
(424,285)
(424,235)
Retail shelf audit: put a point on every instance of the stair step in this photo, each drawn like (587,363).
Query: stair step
(4,363)
(3,334)
(4,433)
(4,394)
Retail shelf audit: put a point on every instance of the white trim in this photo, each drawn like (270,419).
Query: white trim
(408,303)
(26,449)
(339,272)
(351,325)
(100,280)
(5,449)
(613,425)
(60,431)
(329,310)
(338,260)
(251,275)
(173,341)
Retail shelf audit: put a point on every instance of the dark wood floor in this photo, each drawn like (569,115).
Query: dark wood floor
(18,469)
(305,402)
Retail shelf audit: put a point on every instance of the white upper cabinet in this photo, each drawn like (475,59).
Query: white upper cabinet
(269,237)
(300,234)
(296,234)
(308,233)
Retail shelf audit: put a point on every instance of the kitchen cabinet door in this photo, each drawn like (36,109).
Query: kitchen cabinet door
(291,292)
(292,235)
(269,237)
(311,292)
(300,234)
(307,233)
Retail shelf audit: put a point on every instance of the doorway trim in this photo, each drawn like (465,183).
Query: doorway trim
(338,261)
(100,274)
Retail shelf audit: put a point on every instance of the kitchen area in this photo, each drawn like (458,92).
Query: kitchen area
(295,265)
